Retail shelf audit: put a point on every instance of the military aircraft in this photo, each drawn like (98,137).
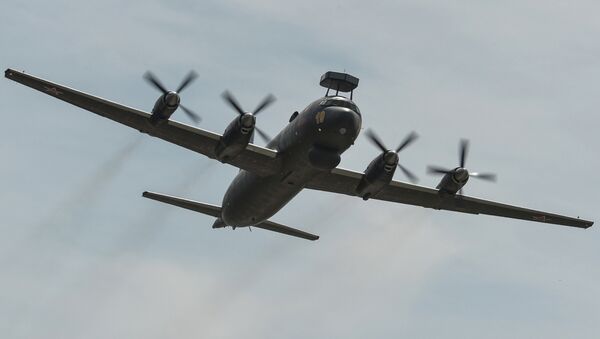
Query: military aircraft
(304,155)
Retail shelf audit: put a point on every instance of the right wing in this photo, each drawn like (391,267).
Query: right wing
(343,181)
(256,159)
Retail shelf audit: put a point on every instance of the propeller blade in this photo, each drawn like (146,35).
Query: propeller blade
(375,139)
(188,79)
(437,170)
(228,97)
(154,81)
(484,176)
(266,138)
(407,141)
(268,100)
(413,178)
(464,149)
(195,117)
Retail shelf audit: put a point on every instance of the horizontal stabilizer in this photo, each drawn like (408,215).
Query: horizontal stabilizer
(275,227)
(207,209)
(215,211)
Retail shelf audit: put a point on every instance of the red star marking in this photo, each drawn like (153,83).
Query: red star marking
(53,90)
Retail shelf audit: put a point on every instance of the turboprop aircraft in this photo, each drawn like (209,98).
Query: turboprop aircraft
(304,155)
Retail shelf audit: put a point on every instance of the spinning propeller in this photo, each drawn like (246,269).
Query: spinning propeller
(390,157)
(461,172)
(248,119)
(172,98)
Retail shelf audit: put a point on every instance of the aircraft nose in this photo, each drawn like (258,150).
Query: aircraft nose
(344,121)
(338,127)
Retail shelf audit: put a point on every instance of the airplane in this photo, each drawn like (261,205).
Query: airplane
(304,155)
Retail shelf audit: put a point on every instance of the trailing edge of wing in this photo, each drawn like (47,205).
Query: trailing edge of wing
(215,211)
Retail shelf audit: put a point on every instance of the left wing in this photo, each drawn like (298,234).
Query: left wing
(344,182)
(260,160)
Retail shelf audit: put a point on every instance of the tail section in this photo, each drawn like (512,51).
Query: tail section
(215,211)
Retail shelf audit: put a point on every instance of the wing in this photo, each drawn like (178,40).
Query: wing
(344,182)
(259,160)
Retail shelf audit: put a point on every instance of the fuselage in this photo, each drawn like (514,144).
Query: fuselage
(310,144)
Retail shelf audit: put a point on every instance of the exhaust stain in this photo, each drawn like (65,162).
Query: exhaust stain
(59,223)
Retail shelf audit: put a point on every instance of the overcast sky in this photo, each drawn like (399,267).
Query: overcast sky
(82,255)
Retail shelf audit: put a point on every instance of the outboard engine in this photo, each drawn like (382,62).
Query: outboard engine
(455,179)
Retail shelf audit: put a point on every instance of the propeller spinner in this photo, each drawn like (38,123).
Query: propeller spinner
(172,98)
(248,119)
(390,157)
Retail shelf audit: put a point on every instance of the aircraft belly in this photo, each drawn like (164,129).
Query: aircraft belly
(252,199)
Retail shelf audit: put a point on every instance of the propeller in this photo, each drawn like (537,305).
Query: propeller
(172,97)
(391,156)
(462,154)
(249,118)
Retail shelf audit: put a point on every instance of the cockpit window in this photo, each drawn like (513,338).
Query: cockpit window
(340,103)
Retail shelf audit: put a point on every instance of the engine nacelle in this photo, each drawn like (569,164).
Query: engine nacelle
(236,137)
(164,107)
(453,181)
(378,174)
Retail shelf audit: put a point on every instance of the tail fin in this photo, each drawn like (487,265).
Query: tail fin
(215,211)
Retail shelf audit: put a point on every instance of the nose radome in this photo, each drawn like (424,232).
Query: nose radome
(342,121)
(337,128)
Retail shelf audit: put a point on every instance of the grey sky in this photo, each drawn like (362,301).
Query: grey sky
(82,255)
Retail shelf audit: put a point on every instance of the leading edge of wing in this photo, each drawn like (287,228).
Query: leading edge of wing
(344,181)
(255,157)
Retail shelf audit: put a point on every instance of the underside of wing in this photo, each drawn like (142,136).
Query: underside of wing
(345,182)
(256,159)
